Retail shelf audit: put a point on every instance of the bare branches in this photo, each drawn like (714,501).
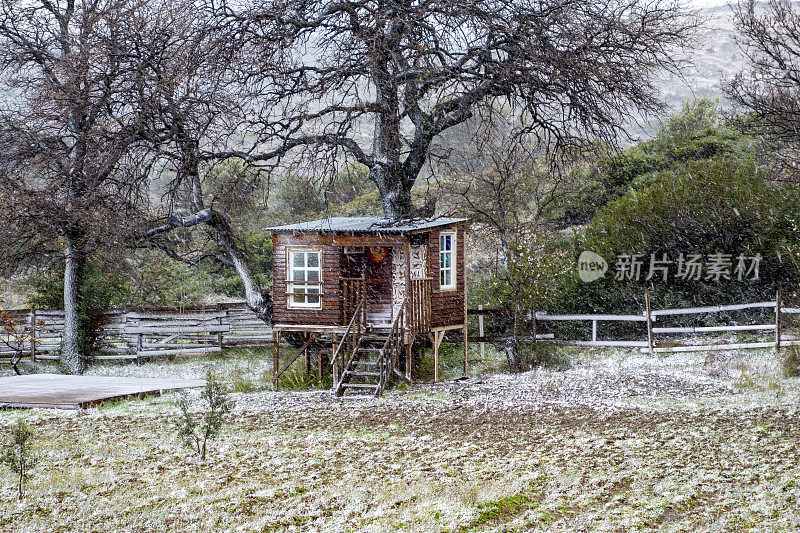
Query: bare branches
(408,72)
(770,90)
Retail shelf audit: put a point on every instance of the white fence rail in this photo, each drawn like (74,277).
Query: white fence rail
(648,340)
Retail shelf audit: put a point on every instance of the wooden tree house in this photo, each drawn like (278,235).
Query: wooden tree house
(368,288)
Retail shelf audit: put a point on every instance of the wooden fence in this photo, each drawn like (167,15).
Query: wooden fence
(126,334)
(652,337)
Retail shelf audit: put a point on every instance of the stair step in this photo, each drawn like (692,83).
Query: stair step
(368,363)
(359,385)
(374,337)
(357,397)
(372,350)
(376,374)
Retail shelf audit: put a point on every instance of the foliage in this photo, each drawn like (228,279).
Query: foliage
(348,193)
(697,132)
(790,364)
(19,454)
(257,247)
(14,336)
(139,282)
(530,278)
(711,206)
(195,430)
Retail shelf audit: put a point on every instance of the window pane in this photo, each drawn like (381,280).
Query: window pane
(312,290)
(298,259)
(299,275)
(299,298)
(313,260)
(448,260)
(441,242)
(313,275)
(441,278)
(448,276)
(313,299)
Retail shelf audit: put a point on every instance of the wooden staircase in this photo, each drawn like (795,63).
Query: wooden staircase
(368,357)
(362,375)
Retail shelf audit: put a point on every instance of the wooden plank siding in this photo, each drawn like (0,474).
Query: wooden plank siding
(447,305)
(330,312)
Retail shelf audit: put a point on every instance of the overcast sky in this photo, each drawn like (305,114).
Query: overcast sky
(708,3)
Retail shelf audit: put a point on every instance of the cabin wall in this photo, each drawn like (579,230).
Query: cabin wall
(332,263)
(447,305)
(331,312)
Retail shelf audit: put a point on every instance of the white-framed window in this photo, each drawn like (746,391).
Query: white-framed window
(447,260)
(304,277)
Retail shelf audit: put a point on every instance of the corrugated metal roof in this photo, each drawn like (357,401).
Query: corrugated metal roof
(365,225)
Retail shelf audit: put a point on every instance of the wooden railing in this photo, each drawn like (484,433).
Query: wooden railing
(392,350)
(353,293)
(348,345)
(136,334)
(420,305)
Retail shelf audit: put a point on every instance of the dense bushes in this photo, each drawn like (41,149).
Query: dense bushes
(694,190)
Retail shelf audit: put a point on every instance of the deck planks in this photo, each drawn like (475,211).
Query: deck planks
(74,392)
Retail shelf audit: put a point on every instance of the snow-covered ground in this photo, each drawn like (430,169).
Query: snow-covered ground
(618,442)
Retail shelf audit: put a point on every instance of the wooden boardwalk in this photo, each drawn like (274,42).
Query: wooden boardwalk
(73,392)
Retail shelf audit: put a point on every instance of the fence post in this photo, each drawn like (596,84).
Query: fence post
(649,323)
(481,333)
(777,321)
(594,330)
(139,345)
(220,339)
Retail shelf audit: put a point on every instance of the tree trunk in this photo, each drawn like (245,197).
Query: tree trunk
(74,266)
(395,196)
(258,302)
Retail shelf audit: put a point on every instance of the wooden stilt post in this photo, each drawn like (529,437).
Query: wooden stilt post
(409,360)
(481,333)
(276,357)
(306,354)
(466,350)
(777,321)
(436,342)
(335,369)
(649,323)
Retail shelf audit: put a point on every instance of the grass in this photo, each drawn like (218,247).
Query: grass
(505,508)
(429,459)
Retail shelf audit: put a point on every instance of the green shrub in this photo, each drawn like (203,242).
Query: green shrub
(19,454)
(196,429)
(790,364)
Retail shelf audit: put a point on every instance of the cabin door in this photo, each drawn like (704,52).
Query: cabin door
(378,276)
(420,293)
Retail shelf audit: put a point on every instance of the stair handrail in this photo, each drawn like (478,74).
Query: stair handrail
(390,345)
(356,315)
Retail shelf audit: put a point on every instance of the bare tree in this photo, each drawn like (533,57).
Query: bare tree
(769,91)
(70,126)
(503,180)
(199,106)
(378,81)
